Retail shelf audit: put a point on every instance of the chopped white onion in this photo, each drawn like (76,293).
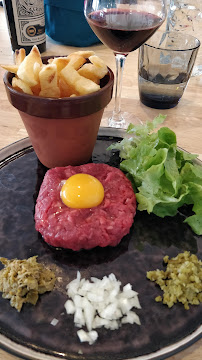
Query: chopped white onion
(100,303)
(89,337)
(70,307)
(131,318)
(54,322)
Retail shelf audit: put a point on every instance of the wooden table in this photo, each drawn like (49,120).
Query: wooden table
(185,119)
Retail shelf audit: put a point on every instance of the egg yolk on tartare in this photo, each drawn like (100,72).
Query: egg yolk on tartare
(82,191)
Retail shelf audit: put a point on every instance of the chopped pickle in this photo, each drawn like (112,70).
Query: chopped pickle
(181,281)
(22,281)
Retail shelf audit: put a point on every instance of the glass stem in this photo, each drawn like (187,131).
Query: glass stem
(120,61)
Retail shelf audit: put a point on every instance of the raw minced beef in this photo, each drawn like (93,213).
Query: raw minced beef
(103,225)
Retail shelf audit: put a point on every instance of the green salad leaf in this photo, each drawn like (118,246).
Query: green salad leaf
(164,177)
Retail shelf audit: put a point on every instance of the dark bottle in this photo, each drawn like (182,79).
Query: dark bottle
(26,24)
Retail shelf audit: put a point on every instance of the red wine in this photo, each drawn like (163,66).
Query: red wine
(122,30)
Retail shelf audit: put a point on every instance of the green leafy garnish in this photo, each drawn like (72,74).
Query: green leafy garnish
(164,177)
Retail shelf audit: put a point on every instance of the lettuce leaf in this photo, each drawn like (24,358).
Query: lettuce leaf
(164,177)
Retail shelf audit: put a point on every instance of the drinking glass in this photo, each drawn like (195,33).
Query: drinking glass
(165,66)
(186,16)
(123,26)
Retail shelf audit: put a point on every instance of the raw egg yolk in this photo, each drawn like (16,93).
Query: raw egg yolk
(82,191)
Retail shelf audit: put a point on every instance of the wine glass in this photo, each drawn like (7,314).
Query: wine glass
(123,26)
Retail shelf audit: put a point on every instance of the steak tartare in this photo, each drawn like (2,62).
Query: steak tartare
(76,229)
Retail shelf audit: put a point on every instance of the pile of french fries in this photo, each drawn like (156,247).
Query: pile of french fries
(76,74)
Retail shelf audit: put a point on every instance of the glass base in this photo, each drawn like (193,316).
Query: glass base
(117,121)
(120,120)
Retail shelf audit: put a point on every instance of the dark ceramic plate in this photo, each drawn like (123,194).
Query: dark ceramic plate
(29,334)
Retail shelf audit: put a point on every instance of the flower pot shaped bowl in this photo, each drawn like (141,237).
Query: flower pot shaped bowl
(62,131)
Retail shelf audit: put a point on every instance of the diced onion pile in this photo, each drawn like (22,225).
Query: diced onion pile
(98,303)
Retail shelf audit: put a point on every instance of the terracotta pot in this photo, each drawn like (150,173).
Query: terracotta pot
(62,131)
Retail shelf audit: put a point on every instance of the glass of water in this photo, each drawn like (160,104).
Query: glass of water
(165,65)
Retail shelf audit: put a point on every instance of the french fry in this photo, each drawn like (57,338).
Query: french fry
(95,70)
(85,53)
(36,89)
(19,56)
(100,67)
(50,93)
(26,69)
(82,85)
(48,76)
(85,86)
(50,60)
(66,90)
(12,68)
(70,75)
(86,72)
(76,61)
(37,68)
(60,62)
(97,61)
(89,71)
(48,81)
(20,85)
